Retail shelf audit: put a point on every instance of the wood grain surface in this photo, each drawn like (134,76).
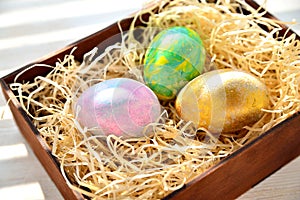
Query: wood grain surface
(30,29)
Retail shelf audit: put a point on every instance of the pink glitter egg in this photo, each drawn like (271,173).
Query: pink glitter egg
(119,106)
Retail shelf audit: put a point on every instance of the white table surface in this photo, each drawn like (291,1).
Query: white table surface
(30,29)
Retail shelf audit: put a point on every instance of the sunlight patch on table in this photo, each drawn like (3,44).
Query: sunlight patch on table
(65,10)
(22,191)
(5,113)
(10,152)
(44,38)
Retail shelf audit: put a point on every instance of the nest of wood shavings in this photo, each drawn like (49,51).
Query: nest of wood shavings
(109,167)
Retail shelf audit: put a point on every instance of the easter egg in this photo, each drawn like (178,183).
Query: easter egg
(119,106)
(174,57)
(223,100)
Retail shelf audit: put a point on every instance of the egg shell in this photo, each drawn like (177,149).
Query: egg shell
(174,57)
(119,106)
(223,100)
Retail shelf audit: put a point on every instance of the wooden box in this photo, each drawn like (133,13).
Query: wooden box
(227,180)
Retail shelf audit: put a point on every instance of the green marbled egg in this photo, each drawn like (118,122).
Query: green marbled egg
(174,57)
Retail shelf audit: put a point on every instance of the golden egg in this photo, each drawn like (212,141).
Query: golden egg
(223,100)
